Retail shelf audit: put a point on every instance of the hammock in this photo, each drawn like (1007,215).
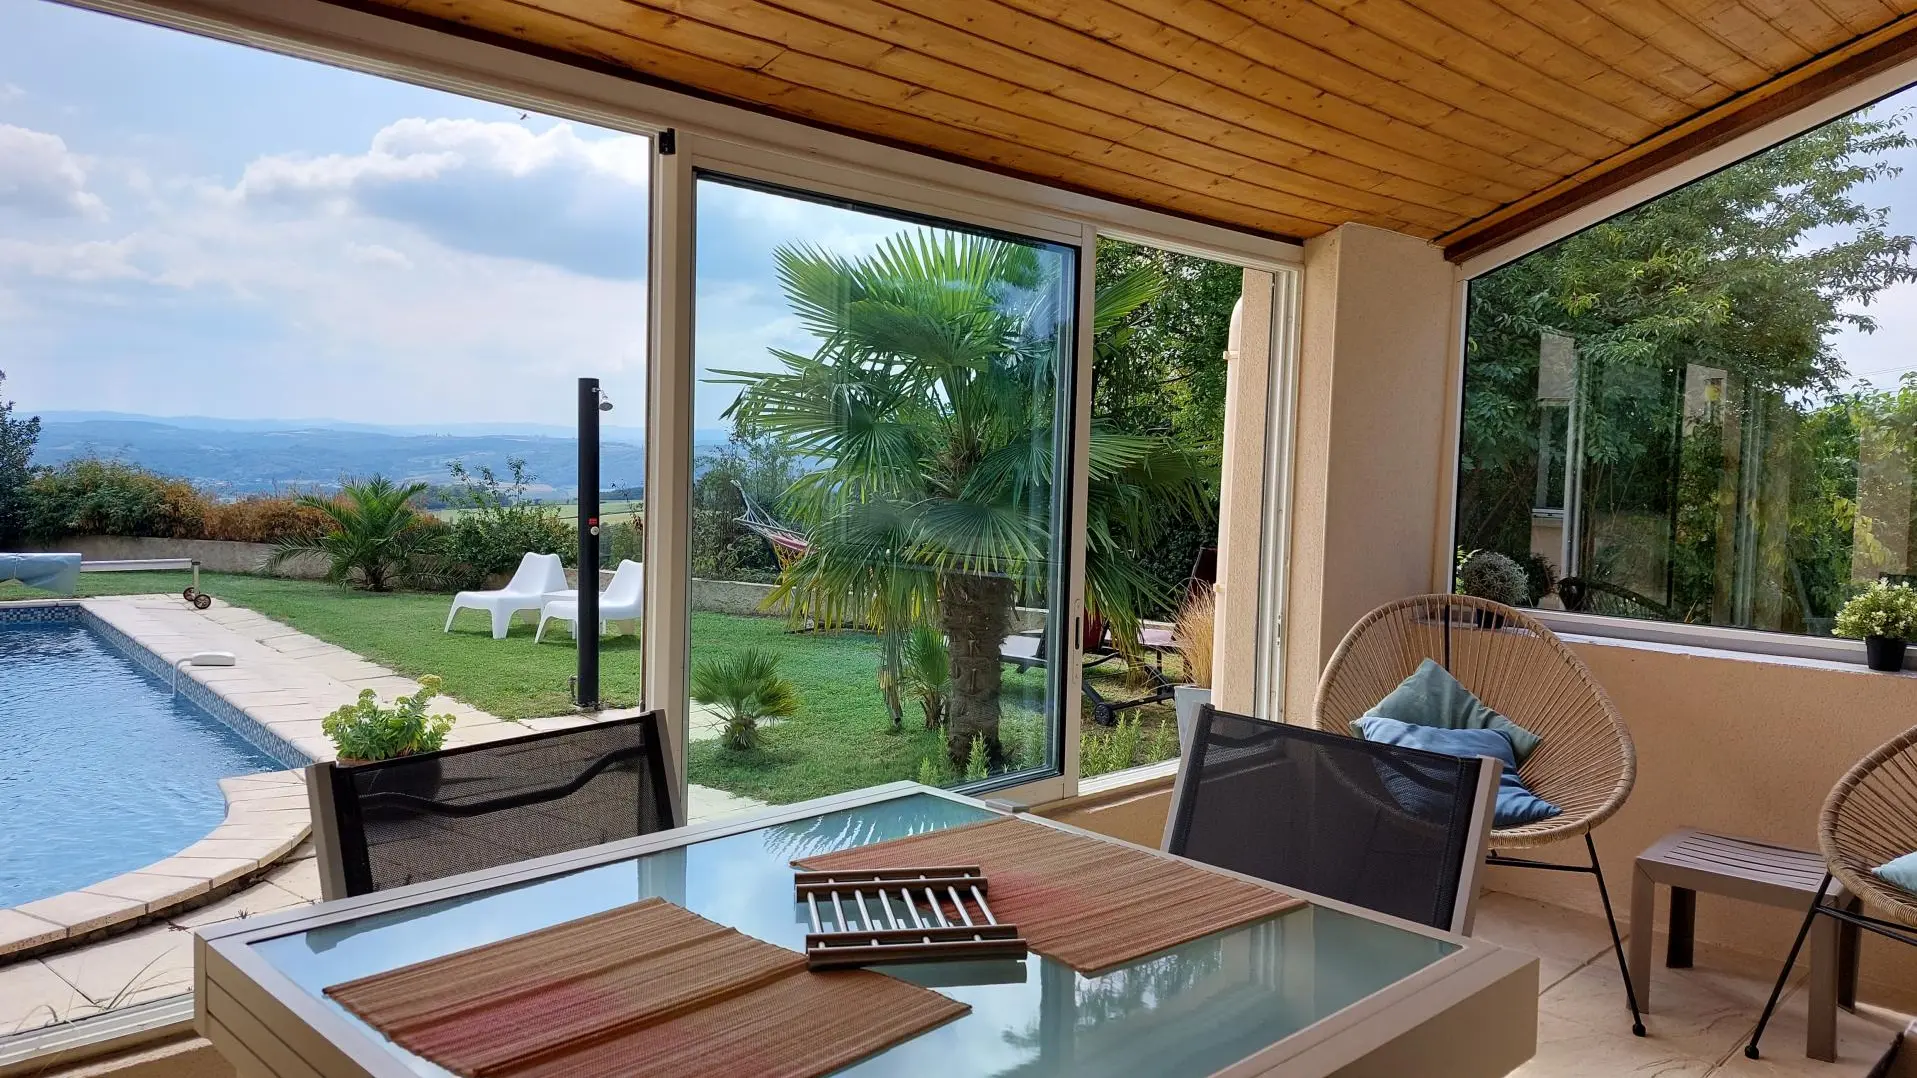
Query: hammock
(788,543)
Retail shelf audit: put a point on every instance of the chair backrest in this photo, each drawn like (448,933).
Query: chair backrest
(1584,764)
(1397,830)
(538,574)
(395,822)
(628,583)
(1870,819)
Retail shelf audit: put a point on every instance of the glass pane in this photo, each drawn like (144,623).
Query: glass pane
(323,335)
(1169,327)
(874,526)
(1700,410)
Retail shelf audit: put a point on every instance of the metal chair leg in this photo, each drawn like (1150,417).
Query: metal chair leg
(1784,975)
(1617,941)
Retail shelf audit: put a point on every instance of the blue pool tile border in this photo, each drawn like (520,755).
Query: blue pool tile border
(256,733)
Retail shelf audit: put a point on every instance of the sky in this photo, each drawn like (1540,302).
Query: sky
(189,227)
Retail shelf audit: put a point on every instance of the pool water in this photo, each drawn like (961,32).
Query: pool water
(102,770)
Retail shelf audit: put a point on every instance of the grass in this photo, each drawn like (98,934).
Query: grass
(840,740)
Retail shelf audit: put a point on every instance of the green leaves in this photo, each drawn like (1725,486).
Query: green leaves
(745,687)
(366,731)
(375,537)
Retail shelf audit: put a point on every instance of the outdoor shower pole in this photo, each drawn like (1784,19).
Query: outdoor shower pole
(586,629)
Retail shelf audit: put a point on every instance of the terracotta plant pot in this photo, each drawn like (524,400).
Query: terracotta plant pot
(1884,652)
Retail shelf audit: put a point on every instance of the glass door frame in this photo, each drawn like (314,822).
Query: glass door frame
(679,160)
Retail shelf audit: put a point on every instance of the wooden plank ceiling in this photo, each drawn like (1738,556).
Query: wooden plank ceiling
(1463,121)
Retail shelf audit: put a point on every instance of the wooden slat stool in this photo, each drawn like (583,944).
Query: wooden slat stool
(1688,861)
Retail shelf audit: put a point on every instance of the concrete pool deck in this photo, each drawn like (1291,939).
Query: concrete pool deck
(257,861)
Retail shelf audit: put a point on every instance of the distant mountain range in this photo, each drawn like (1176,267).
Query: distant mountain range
(259,456)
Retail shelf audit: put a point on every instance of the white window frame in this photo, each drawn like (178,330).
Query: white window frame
(1732,641)
(799,156)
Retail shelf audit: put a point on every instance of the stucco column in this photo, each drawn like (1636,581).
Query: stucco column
(1243,488)
(1373,394)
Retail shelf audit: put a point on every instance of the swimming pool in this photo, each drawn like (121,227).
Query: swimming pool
(102,769)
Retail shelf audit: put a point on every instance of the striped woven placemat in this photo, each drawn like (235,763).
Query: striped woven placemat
(648,988)
(1087,903)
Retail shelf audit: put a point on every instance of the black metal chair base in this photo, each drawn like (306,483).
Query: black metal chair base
(1610,918)
(1850,917)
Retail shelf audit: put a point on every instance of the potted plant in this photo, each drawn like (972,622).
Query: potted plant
(745,687)
(1884,617)
(1194,628)
(1487,574)
(366,732)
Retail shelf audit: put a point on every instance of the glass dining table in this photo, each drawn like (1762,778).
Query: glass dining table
(1309,991)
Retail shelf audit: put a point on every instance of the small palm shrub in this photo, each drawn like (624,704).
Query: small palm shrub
(1487,574)
(1888,610)
(745,687)
(927,673)
(374,537)
(365,731)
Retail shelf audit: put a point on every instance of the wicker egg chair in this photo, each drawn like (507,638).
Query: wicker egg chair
(1869,819)
(1584,762)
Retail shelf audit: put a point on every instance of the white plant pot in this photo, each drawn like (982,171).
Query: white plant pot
(1187,699)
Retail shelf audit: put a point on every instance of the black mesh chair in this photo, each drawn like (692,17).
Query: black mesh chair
(1396,830)
(395,822)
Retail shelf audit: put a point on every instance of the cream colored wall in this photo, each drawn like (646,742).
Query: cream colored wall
(1241,504)
(1370,427)
(1742,745)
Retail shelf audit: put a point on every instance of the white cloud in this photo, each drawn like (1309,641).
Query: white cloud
(40,176)
(10,92)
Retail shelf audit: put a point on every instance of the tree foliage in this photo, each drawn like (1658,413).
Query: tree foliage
(17,440)
(1744,275)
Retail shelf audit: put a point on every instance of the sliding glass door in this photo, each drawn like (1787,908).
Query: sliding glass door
(877,509)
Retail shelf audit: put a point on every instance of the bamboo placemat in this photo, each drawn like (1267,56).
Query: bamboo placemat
(1087,903)
(646,988)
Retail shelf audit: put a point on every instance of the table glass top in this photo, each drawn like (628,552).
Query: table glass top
(1190,1010)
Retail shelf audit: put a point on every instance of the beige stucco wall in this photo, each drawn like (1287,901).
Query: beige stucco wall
(1243,487)
(1373,379)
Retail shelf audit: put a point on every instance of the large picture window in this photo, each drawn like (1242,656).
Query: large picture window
(1704,410)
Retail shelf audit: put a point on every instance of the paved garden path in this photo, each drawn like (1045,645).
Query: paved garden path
(287,681)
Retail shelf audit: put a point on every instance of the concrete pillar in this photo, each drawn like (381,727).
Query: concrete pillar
(1370,459)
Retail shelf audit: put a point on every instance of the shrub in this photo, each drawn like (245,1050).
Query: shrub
(498,526)
(366,731)
(90,496)
(262,519)
(1488,574)
(623,540)
(17,439)
(1880,610)
(1542,575)
(1195,628)
(374,537)
(927,673)
(745,687)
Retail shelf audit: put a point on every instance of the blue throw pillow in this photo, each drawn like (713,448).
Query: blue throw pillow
(1899,873)
(1432,697)
(1517,805)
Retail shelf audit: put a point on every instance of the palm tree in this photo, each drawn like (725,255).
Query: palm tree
(373,533)
(929,407)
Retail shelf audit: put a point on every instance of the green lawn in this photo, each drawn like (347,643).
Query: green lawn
(840,740)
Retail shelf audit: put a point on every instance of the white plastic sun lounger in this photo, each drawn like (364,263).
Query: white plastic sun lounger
(538,576)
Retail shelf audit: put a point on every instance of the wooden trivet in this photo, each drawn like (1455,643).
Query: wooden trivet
(914,925)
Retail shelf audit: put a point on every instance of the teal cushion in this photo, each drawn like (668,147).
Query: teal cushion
(1432,697)
(1902,872)
(1517,805)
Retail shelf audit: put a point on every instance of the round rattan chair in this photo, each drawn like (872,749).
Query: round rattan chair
(1584,762)
(1869,819)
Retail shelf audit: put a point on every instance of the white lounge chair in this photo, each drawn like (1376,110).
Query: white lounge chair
(619,602)
(538,576)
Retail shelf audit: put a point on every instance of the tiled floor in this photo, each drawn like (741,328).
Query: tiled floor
(1700,1020)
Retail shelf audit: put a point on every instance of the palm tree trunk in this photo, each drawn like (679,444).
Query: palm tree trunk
(976,611)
